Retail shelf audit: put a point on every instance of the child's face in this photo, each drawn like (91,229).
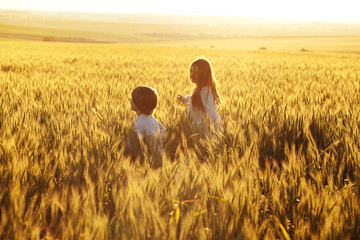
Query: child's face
(133,106)
(194,73)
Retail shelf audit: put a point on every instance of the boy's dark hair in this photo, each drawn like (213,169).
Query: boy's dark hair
(145,98)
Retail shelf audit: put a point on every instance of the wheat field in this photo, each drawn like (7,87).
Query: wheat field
(286,167)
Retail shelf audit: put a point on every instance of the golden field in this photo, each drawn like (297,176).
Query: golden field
(286,167)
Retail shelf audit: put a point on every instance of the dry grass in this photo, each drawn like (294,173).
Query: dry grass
(287,165)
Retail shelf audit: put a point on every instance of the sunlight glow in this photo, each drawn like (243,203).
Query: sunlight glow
(346,10)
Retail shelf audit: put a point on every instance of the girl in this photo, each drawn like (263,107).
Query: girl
(203,103)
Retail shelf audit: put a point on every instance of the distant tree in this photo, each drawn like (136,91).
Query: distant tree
(49,39)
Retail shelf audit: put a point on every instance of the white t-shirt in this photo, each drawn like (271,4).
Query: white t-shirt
(199,117)
(148,126)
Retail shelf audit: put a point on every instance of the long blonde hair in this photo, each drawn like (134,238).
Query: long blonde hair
(206,77)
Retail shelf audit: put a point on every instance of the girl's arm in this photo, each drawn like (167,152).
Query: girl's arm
(187,99)
(184,99)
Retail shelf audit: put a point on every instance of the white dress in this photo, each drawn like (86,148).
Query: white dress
(207,118)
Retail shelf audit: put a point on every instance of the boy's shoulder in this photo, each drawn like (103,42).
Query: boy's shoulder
(141,120)
(145,121)
(148,125)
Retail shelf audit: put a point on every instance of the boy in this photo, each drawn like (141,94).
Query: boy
(148,130)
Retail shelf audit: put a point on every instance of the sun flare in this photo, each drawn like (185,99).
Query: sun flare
(346,10)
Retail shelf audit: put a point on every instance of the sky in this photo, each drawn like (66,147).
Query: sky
(306,10)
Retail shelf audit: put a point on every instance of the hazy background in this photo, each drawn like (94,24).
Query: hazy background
(250,25)
(304,10)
